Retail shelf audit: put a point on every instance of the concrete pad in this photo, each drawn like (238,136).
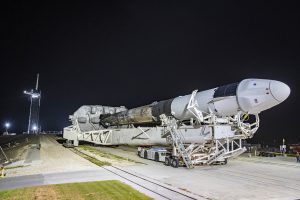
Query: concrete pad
(242,178)
(236,180)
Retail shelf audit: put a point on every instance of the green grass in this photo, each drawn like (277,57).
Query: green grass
(91,159)
(106,190)
(14,167)
(105,154)
(288,155)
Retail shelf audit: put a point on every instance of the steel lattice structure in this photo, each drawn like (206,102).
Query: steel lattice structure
(35,100)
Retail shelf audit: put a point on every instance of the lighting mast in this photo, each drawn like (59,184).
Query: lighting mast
(35,98)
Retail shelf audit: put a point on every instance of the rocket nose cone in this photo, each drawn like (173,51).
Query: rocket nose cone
(280,91)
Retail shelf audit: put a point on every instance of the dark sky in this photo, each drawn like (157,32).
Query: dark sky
(134,53)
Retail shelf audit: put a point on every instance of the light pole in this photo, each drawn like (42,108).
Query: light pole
(7,125)
(34,128)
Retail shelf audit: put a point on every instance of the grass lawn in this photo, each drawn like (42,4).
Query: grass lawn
(86,190)
(91,159)
(105,154)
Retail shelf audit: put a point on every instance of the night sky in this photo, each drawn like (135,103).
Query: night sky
(134,53)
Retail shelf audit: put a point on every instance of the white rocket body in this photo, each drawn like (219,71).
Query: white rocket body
(249,96)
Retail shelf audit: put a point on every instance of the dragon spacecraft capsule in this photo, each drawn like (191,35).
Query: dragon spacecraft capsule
(248,96)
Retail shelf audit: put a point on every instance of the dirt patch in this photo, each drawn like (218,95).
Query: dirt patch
(45,193)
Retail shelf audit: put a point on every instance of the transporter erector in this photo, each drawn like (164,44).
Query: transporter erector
(204,127)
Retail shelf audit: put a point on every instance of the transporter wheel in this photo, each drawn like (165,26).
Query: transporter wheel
(145,154)
(175,162)
(167,161)
(225,162)
(156,157)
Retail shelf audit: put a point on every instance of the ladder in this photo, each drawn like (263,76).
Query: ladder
(215,156)
(177,140)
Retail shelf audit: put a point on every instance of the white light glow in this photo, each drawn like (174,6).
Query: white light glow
(35,95)
(7,125)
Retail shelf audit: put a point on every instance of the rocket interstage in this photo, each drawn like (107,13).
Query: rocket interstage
(250,96)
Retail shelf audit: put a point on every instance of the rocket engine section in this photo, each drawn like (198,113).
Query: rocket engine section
(249,96)
(140,115)
(88,116)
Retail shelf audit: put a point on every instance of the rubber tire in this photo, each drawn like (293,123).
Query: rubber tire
(145,155)
(167,161)
(175,163)
(156,157)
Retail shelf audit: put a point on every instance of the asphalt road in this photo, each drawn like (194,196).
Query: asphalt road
(55,178)
(242,178)
(54,164)
(156,191)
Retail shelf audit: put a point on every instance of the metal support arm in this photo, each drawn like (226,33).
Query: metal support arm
(194,108)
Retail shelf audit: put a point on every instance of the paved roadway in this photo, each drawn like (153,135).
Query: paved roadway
(55,178)
(50,158)
(54,164)
(149,187)
(243,178)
